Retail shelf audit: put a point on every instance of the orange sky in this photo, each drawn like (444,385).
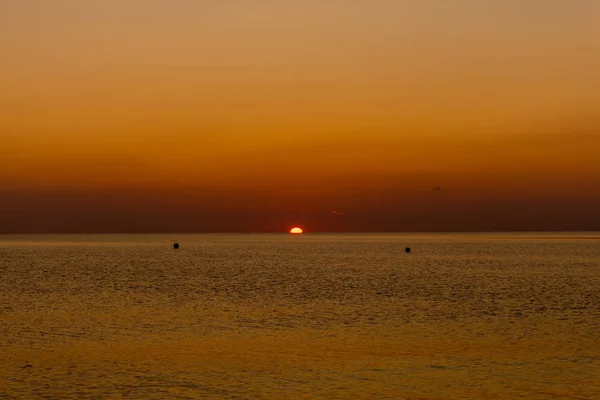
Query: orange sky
(151,115)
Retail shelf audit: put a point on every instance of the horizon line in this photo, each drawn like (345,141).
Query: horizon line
(305,232)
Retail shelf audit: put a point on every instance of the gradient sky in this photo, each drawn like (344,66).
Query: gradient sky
(231,115)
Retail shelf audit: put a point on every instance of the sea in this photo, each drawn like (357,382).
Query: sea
(313,316)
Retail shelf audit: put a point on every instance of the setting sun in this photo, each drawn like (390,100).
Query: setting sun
(296,230)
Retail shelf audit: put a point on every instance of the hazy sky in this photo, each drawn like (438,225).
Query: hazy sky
(191,115)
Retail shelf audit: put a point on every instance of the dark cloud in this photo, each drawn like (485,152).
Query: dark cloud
(44,212)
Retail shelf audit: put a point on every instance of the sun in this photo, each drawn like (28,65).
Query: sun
(296,230)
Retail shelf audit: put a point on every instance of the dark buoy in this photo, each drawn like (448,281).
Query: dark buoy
(407,250)
(176,246)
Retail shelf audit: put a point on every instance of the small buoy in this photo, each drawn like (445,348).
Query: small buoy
(176,246)
(407,250)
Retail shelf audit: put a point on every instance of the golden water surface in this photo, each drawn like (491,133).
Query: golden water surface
(313,316)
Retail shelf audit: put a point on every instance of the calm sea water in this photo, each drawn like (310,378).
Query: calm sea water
(292,317)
